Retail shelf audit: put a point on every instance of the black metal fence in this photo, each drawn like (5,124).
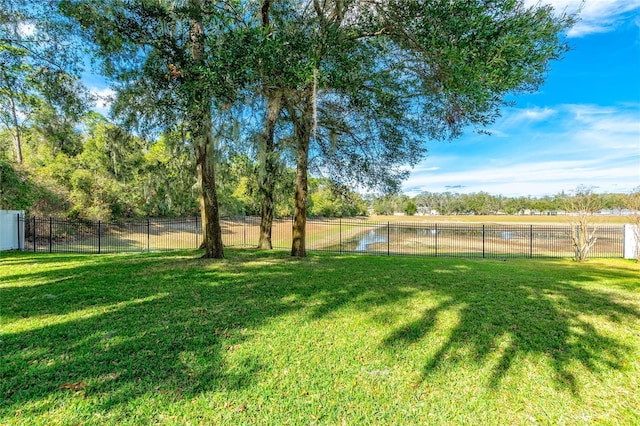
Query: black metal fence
(427,239)
(79,236)
(332,235)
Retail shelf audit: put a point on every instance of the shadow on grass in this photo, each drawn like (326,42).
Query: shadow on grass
(120,327)
(534,308)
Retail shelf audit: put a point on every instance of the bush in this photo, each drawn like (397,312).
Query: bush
(17,192)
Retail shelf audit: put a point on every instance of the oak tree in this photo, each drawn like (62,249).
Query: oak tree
(171,65)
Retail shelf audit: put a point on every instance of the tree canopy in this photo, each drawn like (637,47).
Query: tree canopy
(39,73)
(348,90)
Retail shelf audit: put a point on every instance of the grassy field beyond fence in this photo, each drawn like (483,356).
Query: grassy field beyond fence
(263,338)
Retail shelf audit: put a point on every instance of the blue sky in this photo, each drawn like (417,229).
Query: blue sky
(581,128)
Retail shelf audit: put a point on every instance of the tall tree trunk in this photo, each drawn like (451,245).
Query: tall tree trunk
(200,123)
(302,129)
(17,143)
(205,163)
(268,170)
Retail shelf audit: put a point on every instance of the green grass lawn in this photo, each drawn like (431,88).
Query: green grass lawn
(262,338)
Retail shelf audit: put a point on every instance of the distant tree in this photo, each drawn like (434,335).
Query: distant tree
(582,206)
(328,199)
(321,199)
(480,203)
(410,208)
(384,205)
(516,205)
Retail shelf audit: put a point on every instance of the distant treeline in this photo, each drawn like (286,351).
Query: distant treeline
(482,203)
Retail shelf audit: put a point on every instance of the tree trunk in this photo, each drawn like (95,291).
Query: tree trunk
(298,247)
(17,143)
(302,129)
(268,156)
(583,240)
(268,169)
(211,231)
(200,128)
(266,218)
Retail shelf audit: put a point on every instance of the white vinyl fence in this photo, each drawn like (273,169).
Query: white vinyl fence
(631,241)
(11,230)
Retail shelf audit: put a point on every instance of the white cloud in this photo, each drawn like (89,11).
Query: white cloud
(610,127)
(427,169)
(104,99)
(596,16)
(26,29)
(579,145)
(522,116)
(537,114)
(538,178)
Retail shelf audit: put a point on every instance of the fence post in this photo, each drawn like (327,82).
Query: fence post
(388,238)
(483,240)
(340,240)
(19,245)
(436,239)
(531,241)
(99,242)
(34,234)
(244,231)
(148,235)
(196,230)
(50,234)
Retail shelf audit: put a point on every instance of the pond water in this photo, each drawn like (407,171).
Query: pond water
(370,238)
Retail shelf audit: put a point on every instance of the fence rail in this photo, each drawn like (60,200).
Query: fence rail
(332,235)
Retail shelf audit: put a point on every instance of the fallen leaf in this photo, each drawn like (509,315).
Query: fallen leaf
(77,386)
